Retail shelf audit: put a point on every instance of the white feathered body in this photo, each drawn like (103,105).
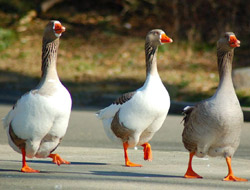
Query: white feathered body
(144,113)
(40,119)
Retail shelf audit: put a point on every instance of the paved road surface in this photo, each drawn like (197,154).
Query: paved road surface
(97,163)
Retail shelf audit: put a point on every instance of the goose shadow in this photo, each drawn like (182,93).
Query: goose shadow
(102,173)
(71,163)
(19,171)
(9,170)
(132,174)
(50,162)
(44,172)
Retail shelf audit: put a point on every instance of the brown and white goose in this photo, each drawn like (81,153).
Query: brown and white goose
(134,118)
(39,120)
(213,126)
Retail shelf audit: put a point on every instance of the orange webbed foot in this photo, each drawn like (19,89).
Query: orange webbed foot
(58,160)
(147,152)
(191,174)
(127,161)
(130,164)
(27,169)
(231,177)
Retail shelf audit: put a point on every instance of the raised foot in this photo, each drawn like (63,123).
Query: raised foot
(233,178)
(58,160)
(27,169)
(147,152)
(192,175)
(130,164)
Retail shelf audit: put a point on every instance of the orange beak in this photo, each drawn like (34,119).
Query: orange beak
(59,28)
(165,39)
(233,41)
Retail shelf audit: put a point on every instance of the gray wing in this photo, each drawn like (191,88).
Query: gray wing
(187,111)
(124,98)
(187,135)
(195,119)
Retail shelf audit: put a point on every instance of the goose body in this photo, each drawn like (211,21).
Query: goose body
(144,112)
(214,130)
(213,126)
(39,120)
(134,117)
(37,117)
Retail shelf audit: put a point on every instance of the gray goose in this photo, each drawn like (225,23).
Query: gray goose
(136,116)
(213,126)
(39,120)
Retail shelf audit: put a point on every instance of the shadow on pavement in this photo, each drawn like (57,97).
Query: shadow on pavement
(131,174)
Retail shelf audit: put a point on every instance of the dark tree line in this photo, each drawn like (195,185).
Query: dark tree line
(193,20)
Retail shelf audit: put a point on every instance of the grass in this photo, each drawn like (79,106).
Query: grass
(7,36)
(93,64)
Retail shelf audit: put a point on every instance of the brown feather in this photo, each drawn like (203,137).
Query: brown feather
(20,143)
(119,129)
(124,98)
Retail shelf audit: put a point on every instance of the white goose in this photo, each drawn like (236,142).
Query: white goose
(39,120)
(134,118)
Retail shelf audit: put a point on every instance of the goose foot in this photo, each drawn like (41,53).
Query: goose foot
(190,172)
(130,164)
(127,161)
(26,168)
(230,176)
(57,159)
(233,178)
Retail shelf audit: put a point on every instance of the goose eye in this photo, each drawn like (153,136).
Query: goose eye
(156,33)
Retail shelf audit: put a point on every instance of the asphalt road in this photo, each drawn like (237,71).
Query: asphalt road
(98,163)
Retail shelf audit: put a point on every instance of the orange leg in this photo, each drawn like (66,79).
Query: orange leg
(25,167)
(58,160)
(127,162)
(190,172)
(230,176)
(147,152)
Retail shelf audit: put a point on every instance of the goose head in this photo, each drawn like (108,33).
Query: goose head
(228,42)
(157,37)
(53,30)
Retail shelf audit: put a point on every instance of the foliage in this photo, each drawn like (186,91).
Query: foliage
(16,6)
(7,36)
(107,42)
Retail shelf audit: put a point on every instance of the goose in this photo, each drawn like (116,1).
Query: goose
(38,121)
(135,117)
(213,126)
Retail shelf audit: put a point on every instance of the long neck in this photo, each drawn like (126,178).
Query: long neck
(225,68)
(49,57)
(151,56)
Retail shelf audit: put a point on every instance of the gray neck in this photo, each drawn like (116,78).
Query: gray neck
(151,56)
(49,57)
(225,69)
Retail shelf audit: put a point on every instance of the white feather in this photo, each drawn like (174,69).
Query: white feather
(145,111)
(35,116)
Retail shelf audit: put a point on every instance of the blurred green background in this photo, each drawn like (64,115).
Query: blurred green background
(101,54)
